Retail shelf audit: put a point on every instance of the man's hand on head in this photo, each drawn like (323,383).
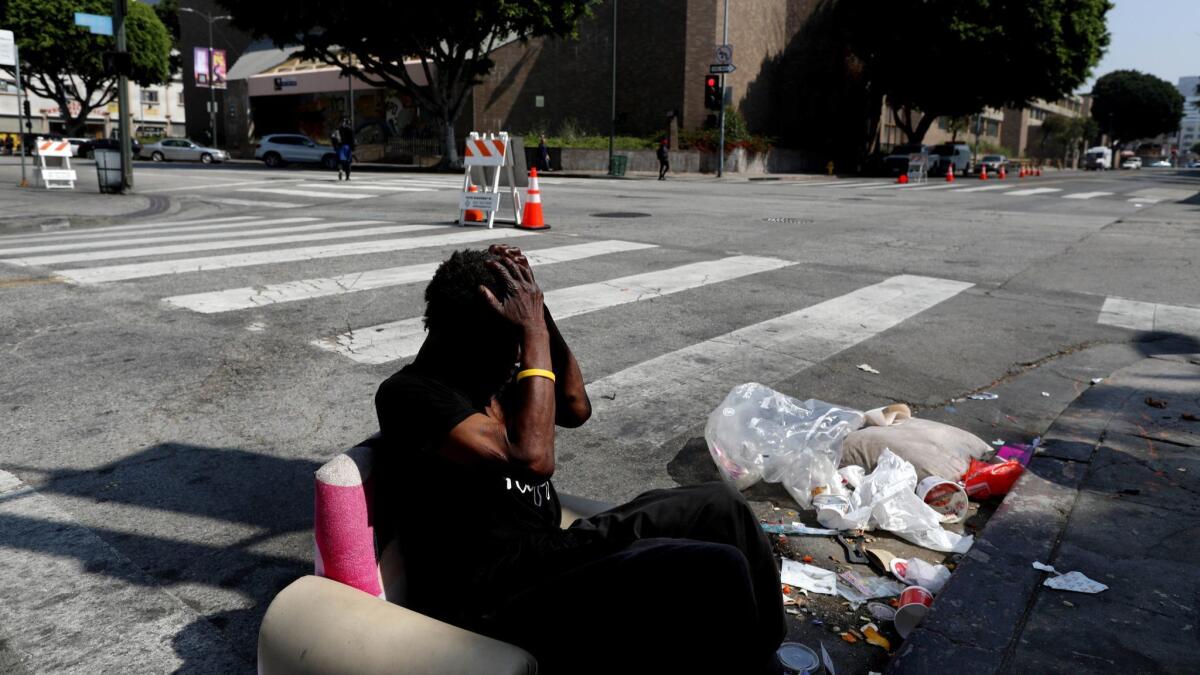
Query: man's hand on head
(510,252)
(523,306)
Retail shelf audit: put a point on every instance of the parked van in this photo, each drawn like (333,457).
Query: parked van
(947,156)
(1098,159)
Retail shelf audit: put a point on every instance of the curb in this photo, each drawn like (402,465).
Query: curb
(978,616)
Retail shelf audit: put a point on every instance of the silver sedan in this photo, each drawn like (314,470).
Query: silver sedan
(182,150)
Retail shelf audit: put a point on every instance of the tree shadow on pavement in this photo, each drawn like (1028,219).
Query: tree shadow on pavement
(218,527)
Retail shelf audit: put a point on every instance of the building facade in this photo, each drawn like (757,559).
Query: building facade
(1189,126)
(155,111)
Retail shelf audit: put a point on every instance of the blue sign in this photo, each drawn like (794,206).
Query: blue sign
(95,23)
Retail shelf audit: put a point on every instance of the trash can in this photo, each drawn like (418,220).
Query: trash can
(617,165)
(108,171)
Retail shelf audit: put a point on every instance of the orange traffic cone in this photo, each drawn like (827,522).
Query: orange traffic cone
(1003,174)
(531,217)
(903,179)
(1039,171)
(950,174)
(983,172)
(473,215)
(1021,173)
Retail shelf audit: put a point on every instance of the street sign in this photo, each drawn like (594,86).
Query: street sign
(8,48)
(97,24)
(725,54)
(721,68)
(483,201)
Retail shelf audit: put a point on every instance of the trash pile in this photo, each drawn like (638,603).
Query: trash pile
(859,471)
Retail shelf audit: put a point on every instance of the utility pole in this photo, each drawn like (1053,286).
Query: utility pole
(212,90)
(21,114)
(612,118)
(721,142)
(120,7)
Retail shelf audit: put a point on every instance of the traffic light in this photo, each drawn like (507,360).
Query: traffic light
(28,114)
(712,92)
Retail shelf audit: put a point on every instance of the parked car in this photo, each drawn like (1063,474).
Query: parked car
(896,162)
(182,150)
(76,144)
(277,149)
(1160,164)
(993,163)
(1194,165)
(947,156)
(1132,163)
(88,148)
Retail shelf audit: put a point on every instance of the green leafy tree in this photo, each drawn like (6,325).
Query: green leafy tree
(168,13)
(64,62)
(1066,137)
(959,124)
(985,53)
(1196,149)
(1130,105)
(372,39)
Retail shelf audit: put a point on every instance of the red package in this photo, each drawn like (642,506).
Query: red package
(983,480)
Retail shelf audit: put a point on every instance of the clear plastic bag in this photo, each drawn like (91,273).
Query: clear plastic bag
(758,433)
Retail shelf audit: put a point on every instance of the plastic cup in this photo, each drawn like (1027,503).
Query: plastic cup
(946,497)
(915,602)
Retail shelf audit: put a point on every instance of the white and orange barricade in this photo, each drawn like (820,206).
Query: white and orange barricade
(493,154)
(61,176)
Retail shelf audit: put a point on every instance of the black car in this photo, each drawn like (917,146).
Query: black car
(88,149)
(896,162)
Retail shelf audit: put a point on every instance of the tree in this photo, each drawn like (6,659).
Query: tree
(1066,137)
(168,13)
(959,124)
(64,62)
(986,53)
(1196,149)
(371,39)
(1130,105)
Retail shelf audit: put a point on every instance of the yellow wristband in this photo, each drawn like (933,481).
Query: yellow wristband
(536,372)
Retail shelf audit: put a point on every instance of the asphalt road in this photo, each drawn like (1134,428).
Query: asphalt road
(171,386)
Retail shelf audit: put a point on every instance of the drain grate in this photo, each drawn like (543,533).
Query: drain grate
(799,221)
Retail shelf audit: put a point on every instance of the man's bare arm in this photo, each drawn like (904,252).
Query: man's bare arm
(573,405)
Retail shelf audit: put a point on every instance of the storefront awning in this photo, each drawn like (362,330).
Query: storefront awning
(299,76)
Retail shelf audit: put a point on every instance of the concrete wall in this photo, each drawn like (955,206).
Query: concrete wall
(738,161)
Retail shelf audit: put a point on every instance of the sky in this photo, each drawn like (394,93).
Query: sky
(1160,37)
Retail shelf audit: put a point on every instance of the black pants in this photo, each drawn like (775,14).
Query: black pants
(685,581)
(663,168)
(344,167)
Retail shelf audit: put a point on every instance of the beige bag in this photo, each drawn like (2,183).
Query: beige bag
(933,448)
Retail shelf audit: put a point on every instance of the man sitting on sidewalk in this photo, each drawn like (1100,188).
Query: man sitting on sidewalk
(679,580)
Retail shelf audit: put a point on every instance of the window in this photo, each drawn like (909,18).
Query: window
(181,99)
(149,97)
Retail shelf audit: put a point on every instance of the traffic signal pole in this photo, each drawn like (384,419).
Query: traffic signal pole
(119,9)
(721,142)
(21,106)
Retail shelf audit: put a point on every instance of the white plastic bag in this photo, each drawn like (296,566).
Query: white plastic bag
(758,433)
(917,572)
(886,499)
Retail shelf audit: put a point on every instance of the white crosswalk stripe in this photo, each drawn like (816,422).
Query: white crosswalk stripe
(194,236)
(309,193)
(1032,191)
(363,186)
(257,203)
(307,289)
(143,252)
(938,186)
(1143,200)
(695,376)
(1087,195)
(105,274)
(983,188)
(400,339)
(174,226)
(1150,316)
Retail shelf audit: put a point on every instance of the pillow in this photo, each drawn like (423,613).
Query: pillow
(933,448)
(342,532)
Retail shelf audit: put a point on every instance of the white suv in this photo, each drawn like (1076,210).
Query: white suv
(276,149)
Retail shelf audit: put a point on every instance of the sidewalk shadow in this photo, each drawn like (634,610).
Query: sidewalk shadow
(176,488)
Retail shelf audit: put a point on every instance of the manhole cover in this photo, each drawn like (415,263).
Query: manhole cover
(621,214)
(802,221)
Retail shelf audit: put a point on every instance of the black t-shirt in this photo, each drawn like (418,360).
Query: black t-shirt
(462,530)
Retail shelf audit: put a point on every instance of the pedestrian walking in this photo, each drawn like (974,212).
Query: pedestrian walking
(543,154)
(664,155)
(8,144)
(343,140)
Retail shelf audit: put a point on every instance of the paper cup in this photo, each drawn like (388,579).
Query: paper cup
(915,602)
(946,497)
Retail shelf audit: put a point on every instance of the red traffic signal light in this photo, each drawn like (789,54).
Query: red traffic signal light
(712,93)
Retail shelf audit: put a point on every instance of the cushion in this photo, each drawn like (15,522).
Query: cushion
(343,535)
(933,448)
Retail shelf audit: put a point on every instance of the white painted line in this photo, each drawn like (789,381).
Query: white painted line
(695,378)
(984,188)
(307,193)
(892,186)
(361,186)
(858,184)
(231,237)
(1149,316)
(143,252)
(939,186)
(400,339)
(307,289)
(1144,200)
(801,183)
(1086,195)
(248,202)
(99,275)
(272,181)
(1032,191)
(95,233)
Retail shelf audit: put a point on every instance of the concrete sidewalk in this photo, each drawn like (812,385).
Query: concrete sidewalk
(1115,494)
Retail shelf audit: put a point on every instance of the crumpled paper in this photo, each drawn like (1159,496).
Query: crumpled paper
(887,498)
(1077,582)
(808,577)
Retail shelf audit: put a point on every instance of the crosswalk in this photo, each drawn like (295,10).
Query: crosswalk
(316,190)
(995,186)
(176,264)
